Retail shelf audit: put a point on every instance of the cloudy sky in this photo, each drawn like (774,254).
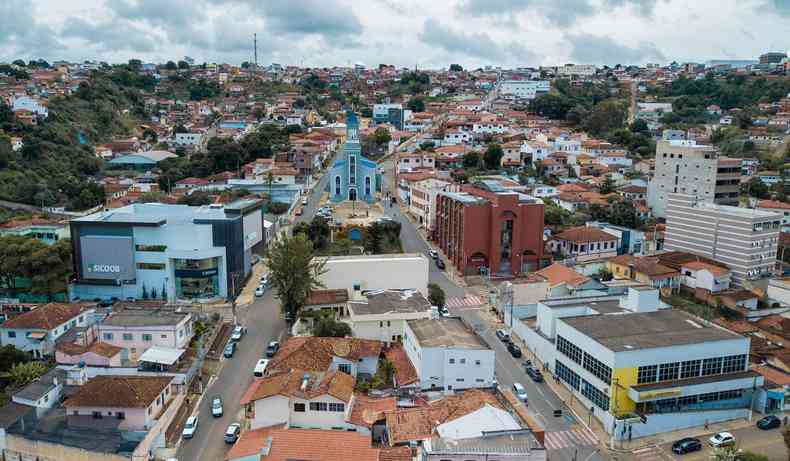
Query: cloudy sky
(425,33)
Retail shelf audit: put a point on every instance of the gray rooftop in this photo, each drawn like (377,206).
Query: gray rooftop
(144,318)
(490,443)
(602,304)
(40,387)
(464,197)
(445,332)
(390,301)
(155,214)
(664,328)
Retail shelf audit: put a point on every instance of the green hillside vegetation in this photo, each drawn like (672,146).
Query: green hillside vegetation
(54,167)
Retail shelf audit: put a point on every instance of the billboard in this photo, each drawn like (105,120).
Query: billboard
(107,257)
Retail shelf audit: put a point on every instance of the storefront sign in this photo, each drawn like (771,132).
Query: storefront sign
(199,273)
(107,257)
(662,394)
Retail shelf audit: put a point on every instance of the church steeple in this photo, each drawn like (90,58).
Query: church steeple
(352,126)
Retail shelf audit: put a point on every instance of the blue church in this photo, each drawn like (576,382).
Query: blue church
(353,177)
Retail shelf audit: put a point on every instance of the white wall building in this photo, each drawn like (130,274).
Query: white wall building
(382,315)
(188,139)
(30,104)
(522,89)
(377,272)
(448,355)
(136,331)
(422,203)
(37,330)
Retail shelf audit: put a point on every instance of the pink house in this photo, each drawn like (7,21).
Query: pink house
(132,403)
(97,354)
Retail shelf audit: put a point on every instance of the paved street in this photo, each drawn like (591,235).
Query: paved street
(313,198)
(263,325)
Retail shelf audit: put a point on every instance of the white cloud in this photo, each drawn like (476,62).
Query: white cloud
(401,32)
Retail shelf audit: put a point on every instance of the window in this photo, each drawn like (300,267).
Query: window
(381,324)
(668,371)
(108,336)
(462,361)
(711,366)
(147,337)
(647,374)
(128,337)
(389,323)
(345,368)
(691,369)
(151,266)
(82,318)
(120,415)
(164,336)
(567,375)
(97,414)
(570,350)
(337,407)
(299,407)
(598,398)
(597,368)
(452,361)
(156,248)
(12,334)
(477,362)
(318,406)
(734,363)
(459,380)
(337,185)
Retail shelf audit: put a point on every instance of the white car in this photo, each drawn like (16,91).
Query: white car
(260,368)
(237,333)
(304,202)
(260,291)
(232,433)
(722,439)
(520,392)
(433,253)
(190,427)
(216,407)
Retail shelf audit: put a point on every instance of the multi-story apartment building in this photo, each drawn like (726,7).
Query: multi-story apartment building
(423,200)
(492,228)
(686,167)
(744,239)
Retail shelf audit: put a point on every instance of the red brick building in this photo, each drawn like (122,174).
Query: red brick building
(500,230)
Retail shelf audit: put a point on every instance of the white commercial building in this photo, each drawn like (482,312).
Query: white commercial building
(188,139)
(423,199)
(523,89)
(405,271)
(631,356)
(448,355)
(576,70)
(382,314)
(30,104)
(744,239)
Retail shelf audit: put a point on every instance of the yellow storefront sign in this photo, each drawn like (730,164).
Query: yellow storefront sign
(660,394)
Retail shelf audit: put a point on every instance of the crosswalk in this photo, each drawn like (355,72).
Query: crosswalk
(572,438)
(466,301)
(651,453)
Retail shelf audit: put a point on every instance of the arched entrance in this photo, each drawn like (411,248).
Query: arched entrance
(352,194)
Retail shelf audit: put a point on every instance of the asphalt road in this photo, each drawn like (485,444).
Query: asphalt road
(263,323)
(313,198)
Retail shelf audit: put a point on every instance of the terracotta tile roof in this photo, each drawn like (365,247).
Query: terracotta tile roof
(419,423)
(46,317)
(97,347)
(366,410)
(289,383)
(319,445)
(315,354)
(652,268)
(584,234)
(773,204)
(402,453)
(318,297)
(633,189)
(773,375)
(677,259)
(119,392)
(558,273)
(573,187)
(701,265)
(251,442)
(405,373)
(34,221)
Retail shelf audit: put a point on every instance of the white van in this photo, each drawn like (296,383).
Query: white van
(260,368)
(521,393)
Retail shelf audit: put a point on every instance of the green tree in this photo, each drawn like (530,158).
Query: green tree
(183,65)
(607,186)
(294,273)
(746,455)
(23,374)
(381,136)
(755,187)
(14,254)
(416,105)
(196,198)
(171,65)
(786,439)
(472,160)
(551,105)
(436,295)
(606,116)
(493,156)
(327,326)
(10,356)
(135,64)
(456,68)
(51,268)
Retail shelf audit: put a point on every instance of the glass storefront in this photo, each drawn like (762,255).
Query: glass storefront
(197,278)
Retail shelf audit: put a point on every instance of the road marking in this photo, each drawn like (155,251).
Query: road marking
(570,438)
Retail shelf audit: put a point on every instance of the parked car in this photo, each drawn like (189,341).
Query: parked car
(304,201)
(230,349)
(503,336)
(433,253)
(260,368)
(238,332)
(260,291)
(190,427)
(440,263)
(722,439)
(272,349)
(520,392)
(535,374)
(769,422)
(264,280)
(514,350)
(686,445)
(444,311)
(232,433)
(216,406)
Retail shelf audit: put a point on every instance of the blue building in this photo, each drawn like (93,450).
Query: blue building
(353,177)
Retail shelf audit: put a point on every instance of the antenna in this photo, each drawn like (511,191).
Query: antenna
(255,48)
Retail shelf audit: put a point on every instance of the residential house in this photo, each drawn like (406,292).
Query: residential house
(776,206)
(382,314)
(352,356)
(137,330)
(705,276)
(448,355)
(302,399)
(585,244)
(562,280)
(96,354)
(37,330)
(632,192)
(44,392)
(646,270)
(131,403)
(320,445)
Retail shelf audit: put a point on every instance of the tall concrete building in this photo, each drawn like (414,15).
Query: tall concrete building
(686,167)
(744,239)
